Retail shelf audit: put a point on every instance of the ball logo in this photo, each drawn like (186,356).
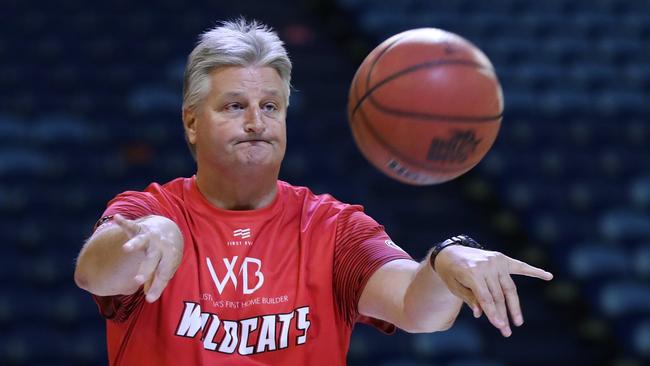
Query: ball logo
(455,149)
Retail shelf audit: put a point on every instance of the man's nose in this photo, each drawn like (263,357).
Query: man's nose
(253,122)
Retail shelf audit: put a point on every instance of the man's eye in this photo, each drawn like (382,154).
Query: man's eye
(234,107)
(270,107)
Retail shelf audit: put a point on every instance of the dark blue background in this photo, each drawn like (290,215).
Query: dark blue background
(90,97)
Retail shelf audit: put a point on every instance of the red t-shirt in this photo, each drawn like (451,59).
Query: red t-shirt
(279,285)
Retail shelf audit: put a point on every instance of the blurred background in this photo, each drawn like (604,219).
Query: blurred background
(90,96)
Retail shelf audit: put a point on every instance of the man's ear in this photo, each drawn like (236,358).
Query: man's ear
(189,124)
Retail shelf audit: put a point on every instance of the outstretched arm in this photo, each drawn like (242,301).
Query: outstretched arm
(123,255)
(416,298)
(411,296)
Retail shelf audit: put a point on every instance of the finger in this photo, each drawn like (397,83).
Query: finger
(478,311)
(467,296)
(471,302)
(164,273)
(512,298)
(136,243)
(500,303)
(485,301)
(520,268)
(130,227)
(148,266)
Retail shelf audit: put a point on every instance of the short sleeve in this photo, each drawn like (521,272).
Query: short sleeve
(120,307)
(362,246)
(132,205)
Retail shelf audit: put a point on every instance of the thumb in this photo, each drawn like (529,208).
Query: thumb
(468,297)
(130,227)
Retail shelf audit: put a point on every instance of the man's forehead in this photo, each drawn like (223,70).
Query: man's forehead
(242,81)
(264,74)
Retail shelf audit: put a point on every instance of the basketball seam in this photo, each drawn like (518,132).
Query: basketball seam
(379,56)
(369,74)
(422,116)
(435,117)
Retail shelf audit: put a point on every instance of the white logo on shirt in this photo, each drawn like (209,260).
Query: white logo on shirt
(392,244)
(232,277)
(271,331)
(243,233)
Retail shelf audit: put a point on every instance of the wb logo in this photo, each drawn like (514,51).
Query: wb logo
(243,272)
(455,149)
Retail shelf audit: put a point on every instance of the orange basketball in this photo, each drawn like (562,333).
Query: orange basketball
(425,106)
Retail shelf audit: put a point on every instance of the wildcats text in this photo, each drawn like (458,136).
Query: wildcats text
(263,333)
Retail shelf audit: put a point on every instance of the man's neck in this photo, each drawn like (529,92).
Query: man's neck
(237,192)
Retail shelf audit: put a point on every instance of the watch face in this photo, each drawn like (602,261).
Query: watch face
(469,242)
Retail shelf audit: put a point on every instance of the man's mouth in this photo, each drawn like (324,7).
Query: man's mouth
(253,141)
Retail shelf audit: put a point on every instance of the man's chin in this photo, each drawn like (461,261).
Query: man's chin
(258,163)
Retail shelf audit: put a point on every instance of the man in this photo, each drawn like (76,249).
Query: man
(233,266)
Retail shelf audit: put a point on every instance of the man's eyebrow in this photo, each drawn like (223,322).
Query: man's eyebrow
(231,94)
(270,91)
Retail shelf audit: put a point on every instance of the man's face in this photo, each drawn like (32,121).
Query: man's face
(241,122)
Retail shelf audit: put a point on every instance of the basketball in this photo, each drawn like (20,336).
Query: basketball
(425,106)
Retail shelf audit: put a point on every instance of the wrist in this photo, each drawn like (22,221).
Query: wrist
(462,240)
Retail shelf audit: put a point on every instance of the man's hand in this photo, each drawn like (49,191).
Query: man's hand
(482,279)
(162,255)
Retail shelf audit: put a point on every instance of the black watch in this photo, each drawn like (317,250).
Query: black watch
(463,240)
